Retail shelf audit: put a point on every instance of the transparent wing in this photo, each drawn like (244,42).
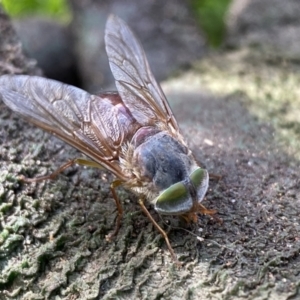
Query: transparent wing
(134,80)
(89,123)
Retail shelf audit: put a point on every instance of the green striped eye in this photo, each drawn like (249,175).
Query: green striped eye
(177,200)
(174,200)
(200,180)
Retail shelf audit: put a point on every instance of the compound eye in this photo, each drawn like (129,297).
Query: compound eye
(175,200)
(200,180)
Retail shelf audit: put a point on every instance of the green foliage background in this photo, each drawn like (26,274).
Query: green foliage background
(210,13)
(57,9)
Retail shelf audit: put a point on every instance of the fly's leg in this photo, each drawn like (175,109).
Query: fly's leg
(162,232)
(113,186)
(210,212)
(214,176)
(76,161)
(204,211)
(192,216)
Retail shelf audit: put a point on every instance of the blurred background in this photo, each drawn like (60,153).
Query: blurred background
(66,37)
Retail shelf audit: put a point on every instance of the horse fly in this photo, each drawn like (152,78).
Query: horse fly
(131,133)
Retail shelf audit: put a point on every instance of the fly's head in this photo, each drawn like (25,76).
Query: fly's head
(184,197)
(172,181)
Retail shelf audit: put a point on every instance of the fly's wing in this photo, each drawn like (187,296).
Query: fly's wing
(87,122)
(134,80)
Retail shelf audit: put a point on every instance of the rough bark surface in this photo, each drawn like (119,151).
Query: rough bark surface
(12,59)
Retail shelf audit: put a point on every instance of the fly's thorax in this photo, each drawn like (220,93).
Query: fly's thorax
(160,160)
